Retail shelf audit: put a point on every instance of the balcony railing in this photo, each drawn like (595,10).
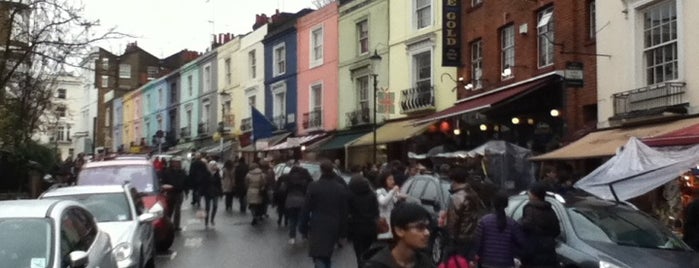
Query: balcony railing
(313,119)
(417,99)
(358,117)
(279,121)
(246,124)
(229,120)
(649,98)
(186,132)
(203,129)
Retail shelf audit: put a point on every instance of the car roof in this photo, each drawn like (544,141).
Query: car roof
(118,162)
(26,208)
(84,189)
(579,200)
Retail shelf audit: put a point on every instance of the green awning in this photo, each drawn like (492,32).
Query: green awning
(339,141)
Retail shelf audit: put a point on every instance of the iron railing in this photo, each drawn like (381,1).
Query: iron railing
(416,99)
(650,97)
(358,117)
(313,119)
(279,121)
(246,124)
(186,132)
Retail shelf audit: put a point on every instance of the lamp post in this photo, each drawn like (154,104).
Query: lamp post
(375,60)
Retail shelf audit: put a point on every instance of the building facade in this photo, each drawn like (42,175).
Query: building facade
(189,102)
(229,77)
(250,92)
(207,67)
(61,122)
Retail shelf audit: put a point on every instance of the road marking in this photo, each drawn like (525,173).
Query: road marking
(193,242)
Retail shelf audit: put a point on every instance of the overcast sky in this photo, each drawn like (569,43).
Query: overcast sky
(164,27)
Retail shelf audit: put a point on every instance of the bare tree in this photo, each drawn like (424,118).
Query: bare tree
(39,40)
(321,3)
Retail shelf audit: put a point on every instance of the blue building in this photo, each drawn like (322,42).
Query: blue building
(207,68)
(188,102)
(281,70)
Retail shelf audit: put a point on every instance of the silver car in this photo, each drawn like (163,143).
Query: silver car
(51,233)
(119,212)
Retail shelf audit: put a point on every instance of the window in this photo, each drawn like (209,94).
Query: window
(546,37)
(188,115)
(228,71)
(173,93)
(507,43)
(160,97)
(279,91)
(363,36)
(423,13)
(60,133)
(205,111)
(477,64)
(152,72)
(251,101)
(105,64)
(279,59)
(207,78)
(317,47)
(363,92)
(189,85)
(105,81)
(61,111)
(476,2)
(124,71)
(660,42)
(62,93)
(107,116)
(148,100)
(252,60)
(593,17)
(316,97)
(422,66)
(160,123)
(227,107)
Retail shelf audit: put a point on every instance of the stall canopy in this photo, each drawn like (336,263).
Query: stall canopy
(266,142)
(636,170)
(291,143)
(605,143)
(392,132)
(681,137)
(339,141)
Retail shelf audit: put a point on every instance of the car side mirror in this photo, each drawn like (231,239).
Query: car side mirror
(78,259)
(147,217)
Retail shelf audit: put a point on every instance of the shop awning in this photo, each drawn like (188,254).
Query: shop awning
(271,141)
(295,142)
(489,99)
(684,136)
(605,143)
(339,141)
(392,132)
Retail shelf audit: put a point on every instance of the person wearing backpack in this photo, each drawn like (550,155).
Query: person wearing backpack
(498,237)
(464,210)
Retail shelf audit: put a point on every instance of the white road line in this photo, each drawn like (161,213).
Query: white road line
(173,255)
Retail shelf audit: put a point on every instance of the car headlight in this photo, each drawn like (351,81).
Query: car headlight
(604,264)
(122,251)
(157,209)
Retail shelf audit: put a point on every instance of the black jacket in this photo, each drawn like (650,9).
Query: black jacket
(540,225)
(363,209)
(211,186)
(175,177)
(384,259)
(197,173)
(296,186)
(240,172)
(326,208)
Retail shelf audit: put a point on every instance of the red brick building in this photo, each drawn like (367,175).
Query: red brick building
(514,55)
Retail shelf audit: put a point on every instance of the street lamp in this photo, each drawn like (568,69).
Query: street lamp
(375,60)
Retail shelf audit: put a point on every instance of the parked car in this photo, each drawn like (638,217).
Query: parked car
(600,233)
(433,194)
(142,175)
(312,167)
(51,233)
(119,212)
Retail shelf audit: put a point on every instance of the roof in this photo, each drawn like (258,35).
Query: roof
(110,163)
(578,200)
(86,189)
(25,208)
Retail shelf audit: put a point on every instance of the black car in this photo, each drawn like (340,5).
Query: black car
(604,234)
(433,194)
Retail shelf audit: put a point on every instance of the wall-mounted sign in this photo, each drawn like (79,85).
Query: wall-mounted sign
(573,74)
(451,33)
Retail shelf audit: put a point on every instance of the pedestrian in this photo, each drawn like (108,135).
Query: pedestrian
(410,224)
(326,207)
(279,198)
(269,185)
(298,180)
(399,172)
(463,212)
(211,191)
(255,182)
(444,171)
(363,215)
(691,223)
(387,196)
(540,225)
(228,184)
(175,176)
(240,189)
(498,237)
(198,171)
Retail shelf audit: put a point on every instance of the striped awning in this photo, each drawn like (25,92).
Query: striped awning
(295,142)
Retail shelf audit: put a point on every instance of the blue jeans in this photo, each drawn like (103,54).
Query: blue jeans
(321,262)
(293,215)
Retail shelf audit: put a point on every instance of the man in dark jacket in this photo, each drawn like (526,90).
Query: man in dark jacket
(241,171)
(540,225)
(326,207)
(175,176)
(197,173)
(363,215)
(691,224)
(411,234)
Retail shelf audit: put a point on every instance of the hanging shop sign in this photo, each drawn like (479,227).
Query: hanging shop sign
(451,33)
(574,74)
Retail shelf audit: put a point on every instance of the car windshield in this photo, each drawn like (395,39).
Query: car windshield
(26,242)
(142,177)
(106,207)
(622,226)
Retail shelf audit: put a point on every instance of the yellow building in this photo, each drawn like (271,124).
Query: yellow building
(129,107)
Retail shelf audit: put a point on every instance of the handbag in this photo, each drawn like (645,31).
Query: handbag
(382,225)
(455,261)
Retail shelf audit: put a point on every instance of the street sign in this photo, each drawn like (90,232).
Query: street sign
(573,75)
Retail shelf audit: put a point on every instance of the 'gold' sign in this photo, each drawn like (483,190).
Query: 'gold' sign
(451,33)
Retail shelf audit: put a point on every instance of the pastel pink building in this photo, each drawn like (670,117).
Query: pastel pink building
(318,70)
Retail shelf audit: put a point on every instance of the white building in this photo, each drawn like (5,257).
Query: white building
(647,75)
(61,121)
(83,134)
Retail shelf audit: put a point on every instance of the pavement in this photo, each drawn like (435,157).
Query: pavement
(233,242)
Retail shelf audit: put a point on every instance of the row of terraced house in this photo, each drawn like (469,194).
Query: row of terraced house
(372,80)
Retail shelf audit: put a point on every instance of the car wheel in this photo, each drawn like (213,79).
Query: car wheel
(437,248)
(165,237)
